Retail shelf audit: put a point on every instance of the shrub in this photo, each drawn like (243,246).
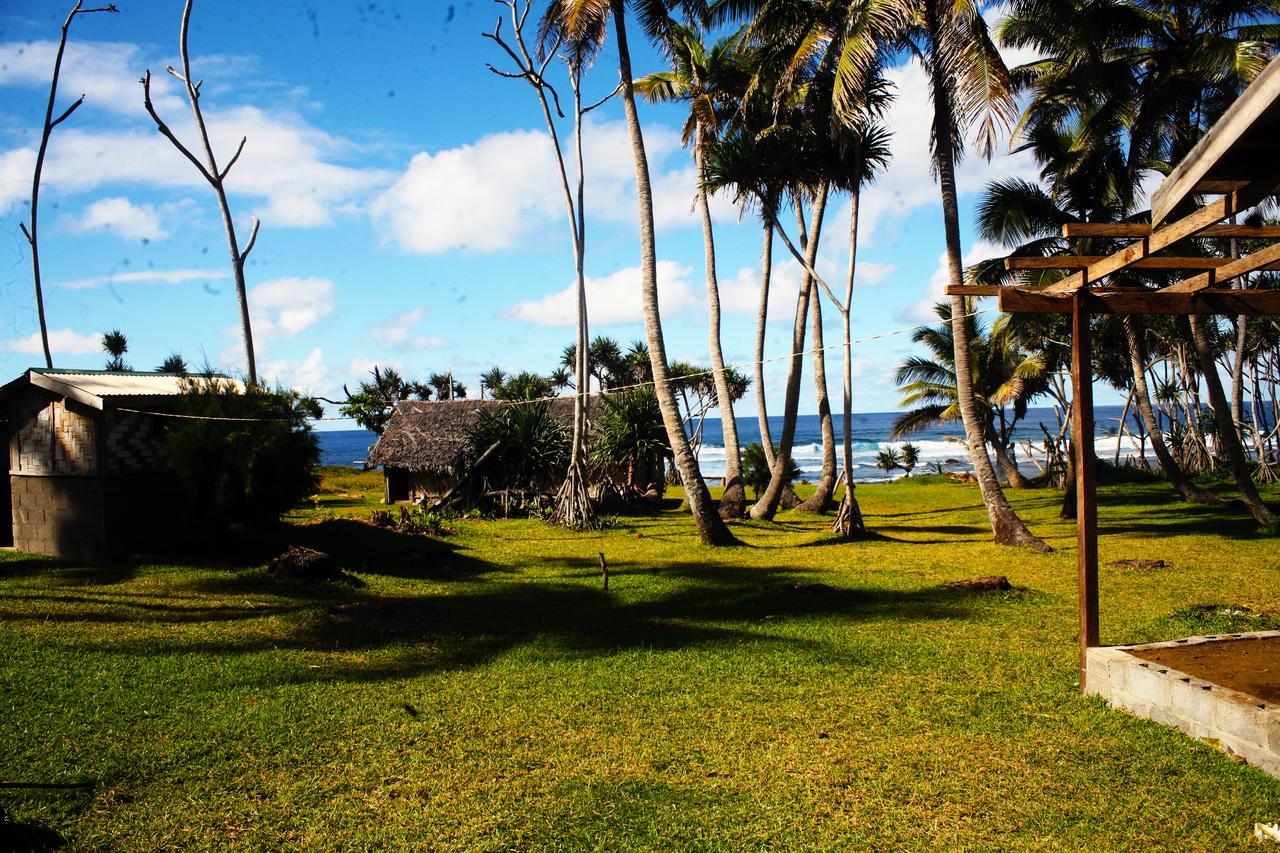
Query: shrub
(532,448)
(755,468)
(240,473)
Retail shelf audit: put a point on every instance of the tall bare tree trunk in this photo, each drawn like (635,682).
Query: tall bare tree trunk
(711,527)
(849,519)
(820,500)
(1227,435)
(1142,397)
(734,500)
(32,234)
(762,316)
(767,506)
(1007,527)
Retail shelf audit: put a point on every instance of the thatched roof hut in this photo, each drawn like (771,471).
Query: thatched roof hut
(431,437)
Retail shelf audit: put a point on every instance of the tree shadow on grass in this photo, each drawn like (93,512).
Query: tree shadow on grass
(369,637)
(363,548)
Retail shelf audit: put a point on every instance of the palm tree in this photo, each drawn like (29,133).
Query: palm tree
(570,16)
(115,345)
(1005,380)
(910,457)
(703,76)
(173,363)
(492,381)
(970,87)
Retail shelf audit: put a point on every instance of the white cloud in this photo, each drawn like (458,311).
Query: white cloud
(119,216)
(397,333)
(283,307)
(16,169)
(361,367)
(504,189)
(611,300)
(921,311)
(310,375)
(146,277)
(106,73)
(61,341)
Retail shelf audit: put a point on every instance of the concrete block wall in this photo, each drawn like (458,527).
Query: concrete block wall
(1237,723)
(59,516)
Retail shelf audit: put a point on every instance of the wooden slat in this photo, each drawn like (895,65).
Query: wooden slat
(1263,259)
(1235,123)
(1078,262)
(1086,477)
(1188,226)
(1016,300)
(1138,229)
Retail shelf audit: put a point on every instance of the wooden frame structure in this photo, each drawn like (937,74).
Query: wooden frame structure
(1238,162)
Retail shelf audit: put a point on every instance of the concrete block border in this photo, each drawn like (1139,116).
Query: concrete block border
(1237,723)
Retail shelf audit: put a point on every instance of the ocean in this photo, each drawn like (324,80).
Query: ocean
(941,443)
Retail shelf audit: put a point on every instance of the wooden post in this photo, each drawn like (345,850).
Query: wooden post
(1086,479)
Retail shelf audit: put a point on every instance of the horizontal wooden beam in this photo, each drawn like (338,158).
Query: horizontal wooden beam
(1078,262)
(1015,300)
(1263,259)
(1138,229)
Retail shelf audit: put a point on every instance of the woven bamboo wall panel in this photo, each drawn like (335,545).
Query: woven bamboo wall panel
(133,442)
(54,440)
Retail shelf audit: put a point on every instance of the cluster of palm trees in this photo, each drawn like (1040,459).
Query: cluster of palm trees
(786,101)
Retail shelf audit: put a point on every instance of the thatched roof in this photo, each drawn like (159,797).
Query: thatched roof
(431,437)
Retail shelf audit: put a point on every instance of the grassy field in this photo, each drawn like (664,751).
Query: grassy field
(482,691)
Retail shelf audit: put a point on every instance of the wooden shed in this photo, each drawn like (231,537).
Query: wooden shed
(423,445)
(84,477)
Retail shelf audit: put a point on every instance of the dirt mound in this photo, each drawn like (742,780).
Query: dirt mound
(983,584)
(306,564)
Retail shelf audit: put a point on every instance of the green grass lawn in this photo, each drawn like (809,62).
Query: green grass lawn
(483,691)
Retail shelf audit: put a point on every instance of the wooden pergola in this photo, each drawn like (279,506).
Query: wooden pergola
(1238,163)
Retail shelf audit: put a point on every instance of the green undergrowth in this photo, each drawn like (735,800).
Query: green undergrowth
(484,691)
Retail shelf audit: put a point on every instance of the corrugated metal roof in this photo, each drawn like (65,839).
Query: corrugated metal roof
(93,386)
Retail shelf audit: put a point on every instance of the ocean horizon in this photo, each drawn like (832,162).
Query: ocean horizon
(941,443)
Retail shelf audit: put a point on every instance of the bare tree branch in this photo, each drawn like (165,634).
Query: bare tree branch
(168,134)
(234,158)
(25,233)
(253,239)
(66,113)
(617,89)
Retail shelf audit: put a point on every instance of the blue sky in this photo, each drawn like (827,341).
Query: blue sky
(410,214)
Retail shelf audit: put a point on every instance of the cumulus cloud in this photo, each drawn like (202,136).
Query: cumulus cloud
(291,168)
(308,375)
(180,276)
(398,333)
(117,215)
(921,311)
(283,307)
(504,189)
(612,300)
(61,341)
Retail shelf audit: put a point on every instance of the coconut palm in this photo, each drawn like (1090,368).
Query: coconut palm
(970,89)
(910,454)
(1005,381)
(888,458)
(704,77)
(569,18)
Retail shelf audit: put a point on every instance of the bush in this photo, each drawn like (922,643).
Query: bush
(532,450)
(240,473)
(755,468)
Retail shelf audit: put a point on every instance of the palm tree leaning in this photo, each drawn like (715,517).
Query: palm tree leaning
(968,85)
(569,15)
(702,76)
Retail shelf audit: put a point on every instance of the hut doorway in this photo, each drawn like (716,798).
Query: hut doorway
(6,495)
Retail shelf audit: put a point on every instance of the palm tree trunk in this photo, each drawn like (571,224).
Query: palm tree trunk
(1008,528)
(849,518)
(734,500)
(762,316)
(767,506)
(711,527)
(1142,397)
(820,500)
(1015,478)
(1227,436)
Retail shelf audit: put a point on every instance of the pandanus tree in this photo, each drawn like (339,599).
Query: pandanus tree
(576,43)
(564,19)
(705,77)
